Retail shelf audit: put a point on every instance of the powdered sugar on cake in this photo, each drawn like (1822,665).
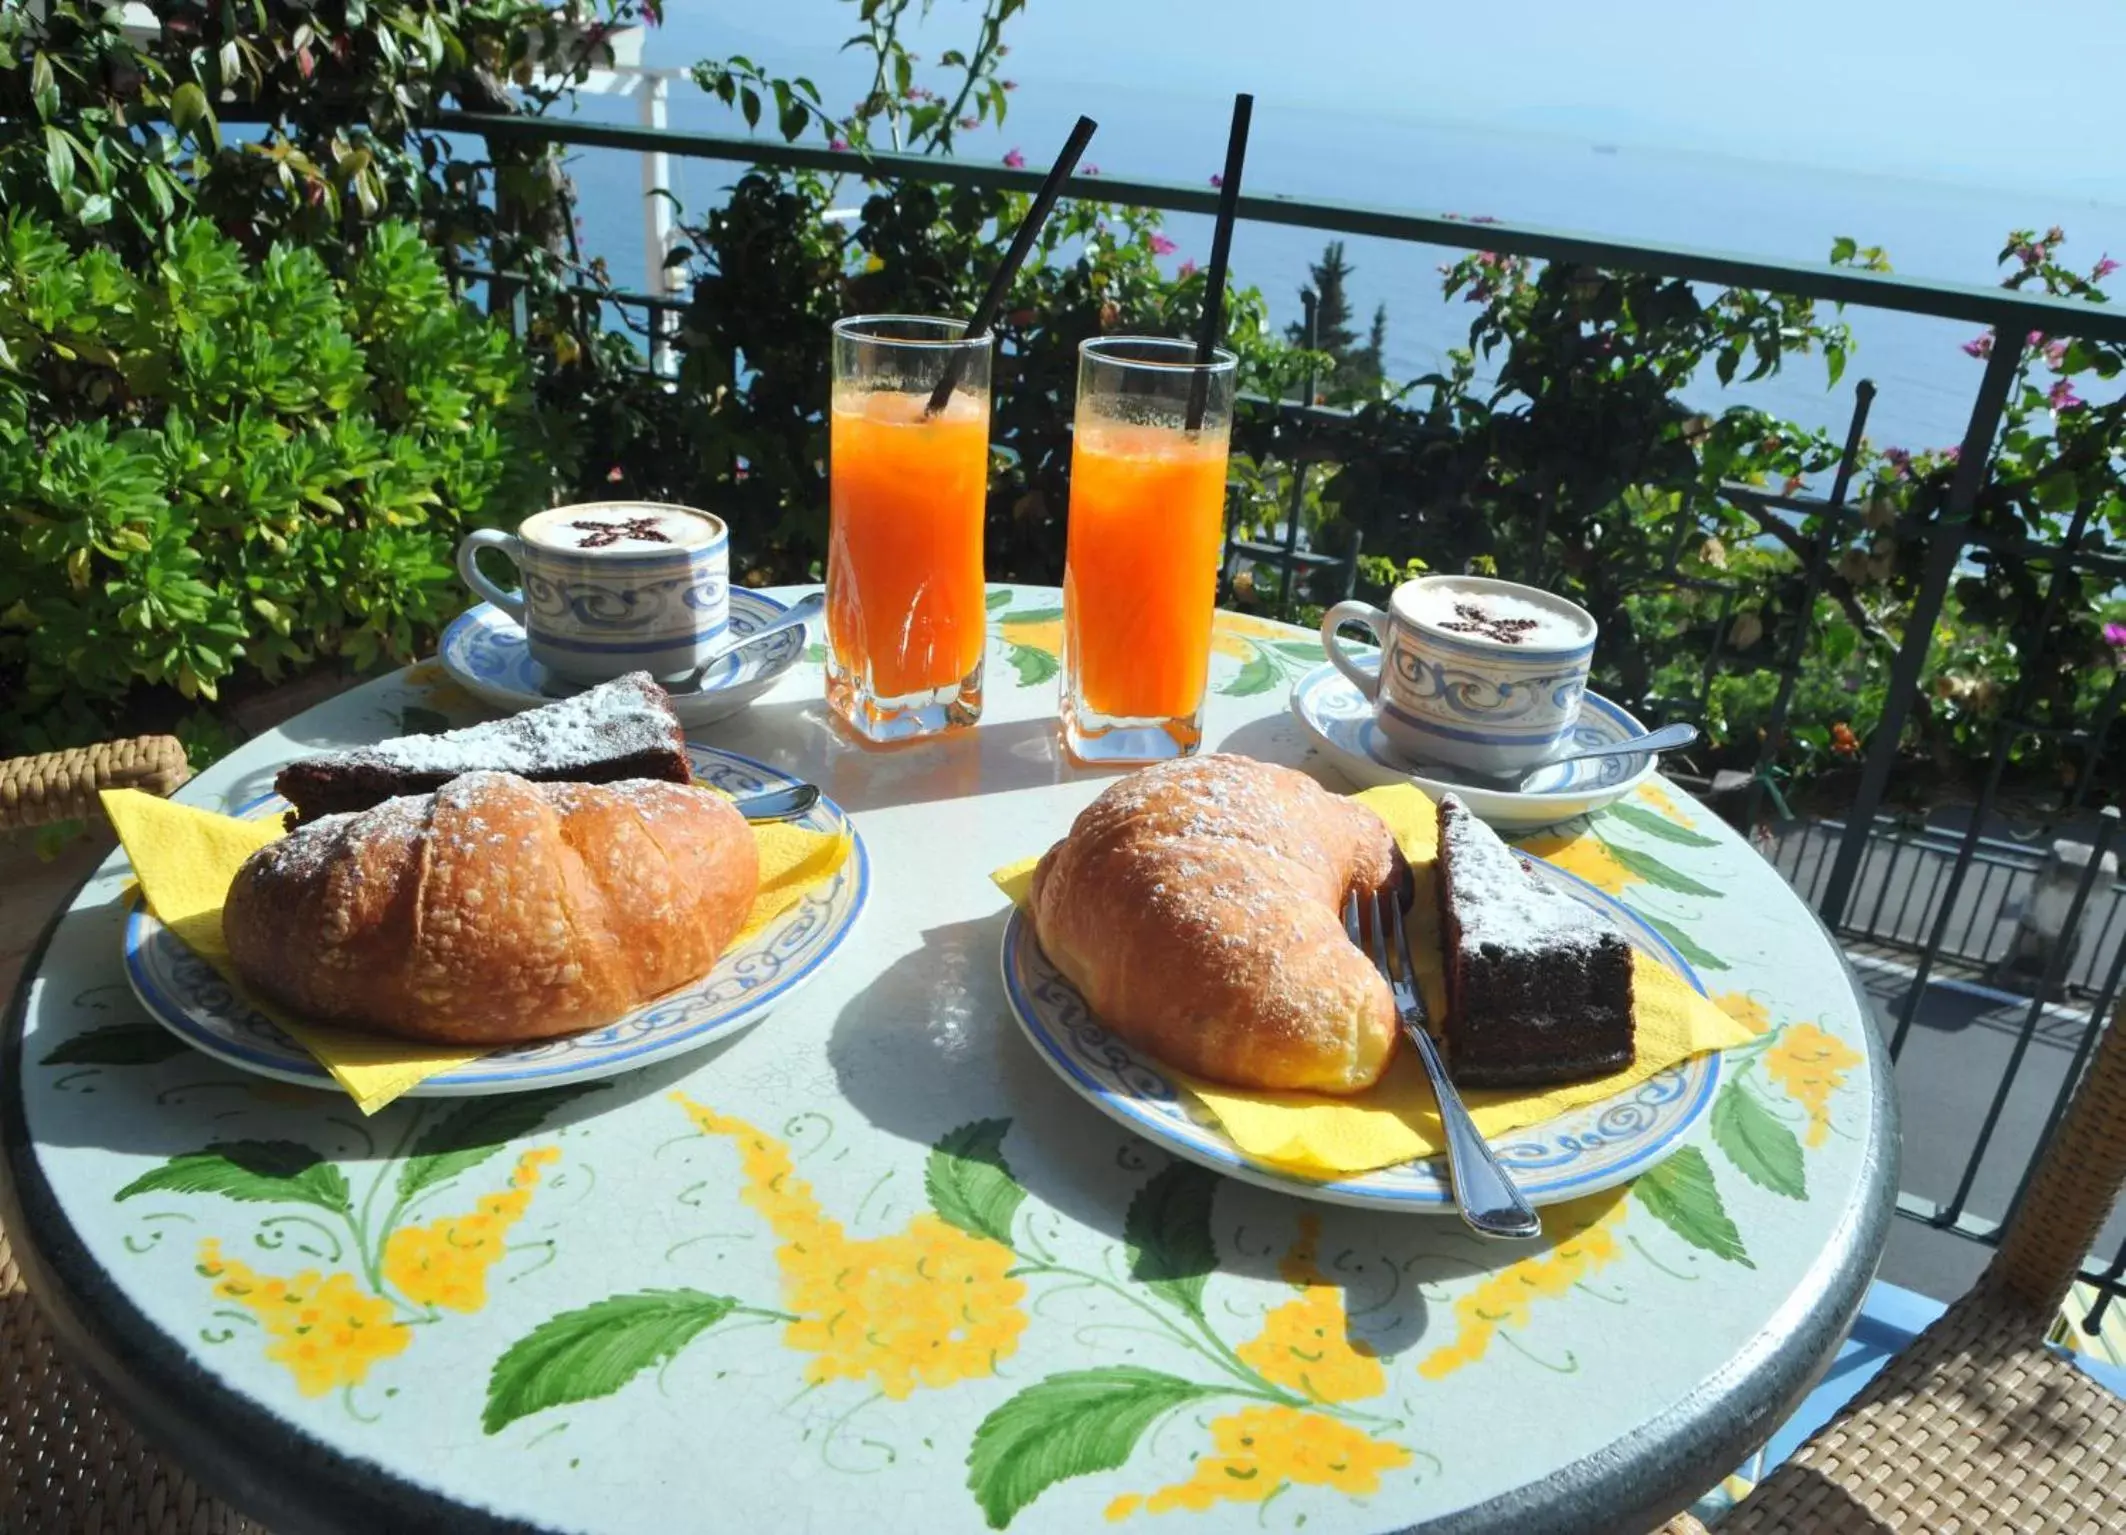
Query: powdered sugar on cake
(616,718)
(1505,903)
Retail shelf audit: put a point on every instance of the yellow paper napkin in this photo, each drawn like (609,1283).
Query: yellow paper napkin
(1397,1119)
(185,859)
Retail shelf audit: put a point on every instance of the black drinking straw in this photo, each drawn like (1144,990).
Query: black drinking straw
(1236,150)
(1044,201)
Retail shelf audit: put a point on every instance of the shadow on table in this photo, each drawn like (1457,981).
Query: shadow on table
(930,1046)
(995,757)
(112,1098)
(1278,738)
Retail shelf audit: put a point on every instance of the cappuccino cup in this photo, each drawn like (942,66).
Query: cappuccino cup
(1474,673)
(609,587)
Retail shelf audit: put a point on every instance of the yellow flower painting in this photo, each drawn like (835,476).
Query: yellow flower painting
(325,1328)
(1811,1065)
(928,1306)
(1582,1239)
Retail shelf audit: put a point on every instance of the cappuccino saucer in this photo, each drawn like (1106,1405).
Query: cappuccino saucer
(484,652)
(1339,718)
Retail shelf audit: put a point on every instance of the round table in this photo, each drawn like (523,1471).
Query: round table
(872,1266)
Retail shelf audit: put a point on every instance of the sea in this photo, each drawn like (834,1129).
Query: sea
(1559,180)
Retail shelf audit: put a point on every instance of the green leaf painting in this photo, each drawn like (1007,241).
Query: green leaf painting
(258,1171)
(1067,1425)
(1033,666)
(1687,946)
(1681,1194)
(415,720)
(1309,651)
(1000,598)
(1654,871)
(969,1182)
(1168,1232)
(468,1136)
(1654,824)
(594,1351)
(815,655)
(1258,676)
(1032,616)
(119,1044)
(1762,1149)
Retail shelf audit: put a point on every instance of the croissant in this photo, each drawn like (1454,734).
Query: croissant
(493,910)
(1197,907)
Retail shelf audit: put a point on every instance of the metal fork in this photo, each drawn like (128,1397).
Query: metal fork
(1483,1192)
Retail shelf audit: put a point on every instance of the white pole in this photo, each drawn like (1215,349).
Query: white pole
(651,97)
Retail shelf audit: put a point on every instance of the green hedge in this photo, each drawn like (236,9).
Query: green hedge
(215,466)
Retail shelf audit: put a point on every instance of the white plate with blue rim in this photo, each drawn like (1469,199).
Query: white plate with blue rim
(191,999)
(485,653)
(1580,1152)
(1340,720)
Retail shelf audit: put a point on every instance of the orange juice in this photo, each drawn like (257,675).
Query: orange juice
(1140,579)
(905,616)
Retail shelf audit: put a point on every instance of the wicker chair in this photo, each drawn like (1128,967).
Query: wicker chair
(1977,1426)
(68,1464)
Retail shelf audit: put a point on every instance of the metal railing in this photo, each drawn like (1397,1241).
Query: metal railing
(1837,864)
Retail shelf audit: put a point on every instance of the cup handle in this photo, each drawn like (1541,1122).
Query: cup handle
(511,603)
(1367,617)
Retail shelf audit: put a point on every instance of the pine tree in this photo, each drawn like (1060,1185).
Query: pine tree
(1368,364)
(1332,305)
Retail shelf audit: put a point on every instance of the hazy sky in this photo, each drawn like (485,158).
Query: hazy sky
(2004,94)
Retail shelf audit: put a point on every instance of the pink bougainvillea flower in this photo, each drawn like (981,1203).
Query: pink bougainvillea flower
(970,123)
(2056,353)
(1952,453)
(2028,255)
(1186,269)
(2035,338)
(2104,269)
(1979,346)
(1088,169)
(1217,181)
(837,144)
(1014,160)
(1009,85)
(1898,459)
(2063,396)
(2115,636)
(1162,246)
(1482,218)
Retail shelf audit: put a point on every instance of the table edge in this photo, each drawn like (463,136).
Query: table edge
(262,1465)
(1637,1482)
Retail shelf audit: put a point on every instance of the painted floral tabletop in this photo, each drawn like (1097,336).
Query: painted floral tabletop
(871,1266)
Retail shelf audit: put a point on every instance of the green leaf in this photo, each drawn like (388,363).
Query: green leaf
(1258,676)
(1168,1232)
(44,88)
(969,1182)
(595,1350)
(96,208)
(1681,1195)
(1762,1149)
(1686,945)
(1032,616)
(1000,598)
(1067,1425)
(120,1044)
(1834,363)
(1654,871)
(58,159)
(1655,824)
(262,1172)
(467,1136)
(1843,249)
(1033,666)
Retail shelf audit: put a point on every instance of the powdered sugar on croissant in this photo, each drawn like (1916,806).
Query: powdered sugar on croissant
(1197,906)
(494,910)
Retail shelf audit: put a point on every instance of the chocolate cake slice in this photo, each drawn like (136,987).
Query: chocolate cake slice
(1538,984)
(618,730)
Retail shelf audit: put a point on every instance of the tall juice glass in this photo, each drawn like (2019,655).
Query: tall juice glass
(1147,521)
(905,618)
